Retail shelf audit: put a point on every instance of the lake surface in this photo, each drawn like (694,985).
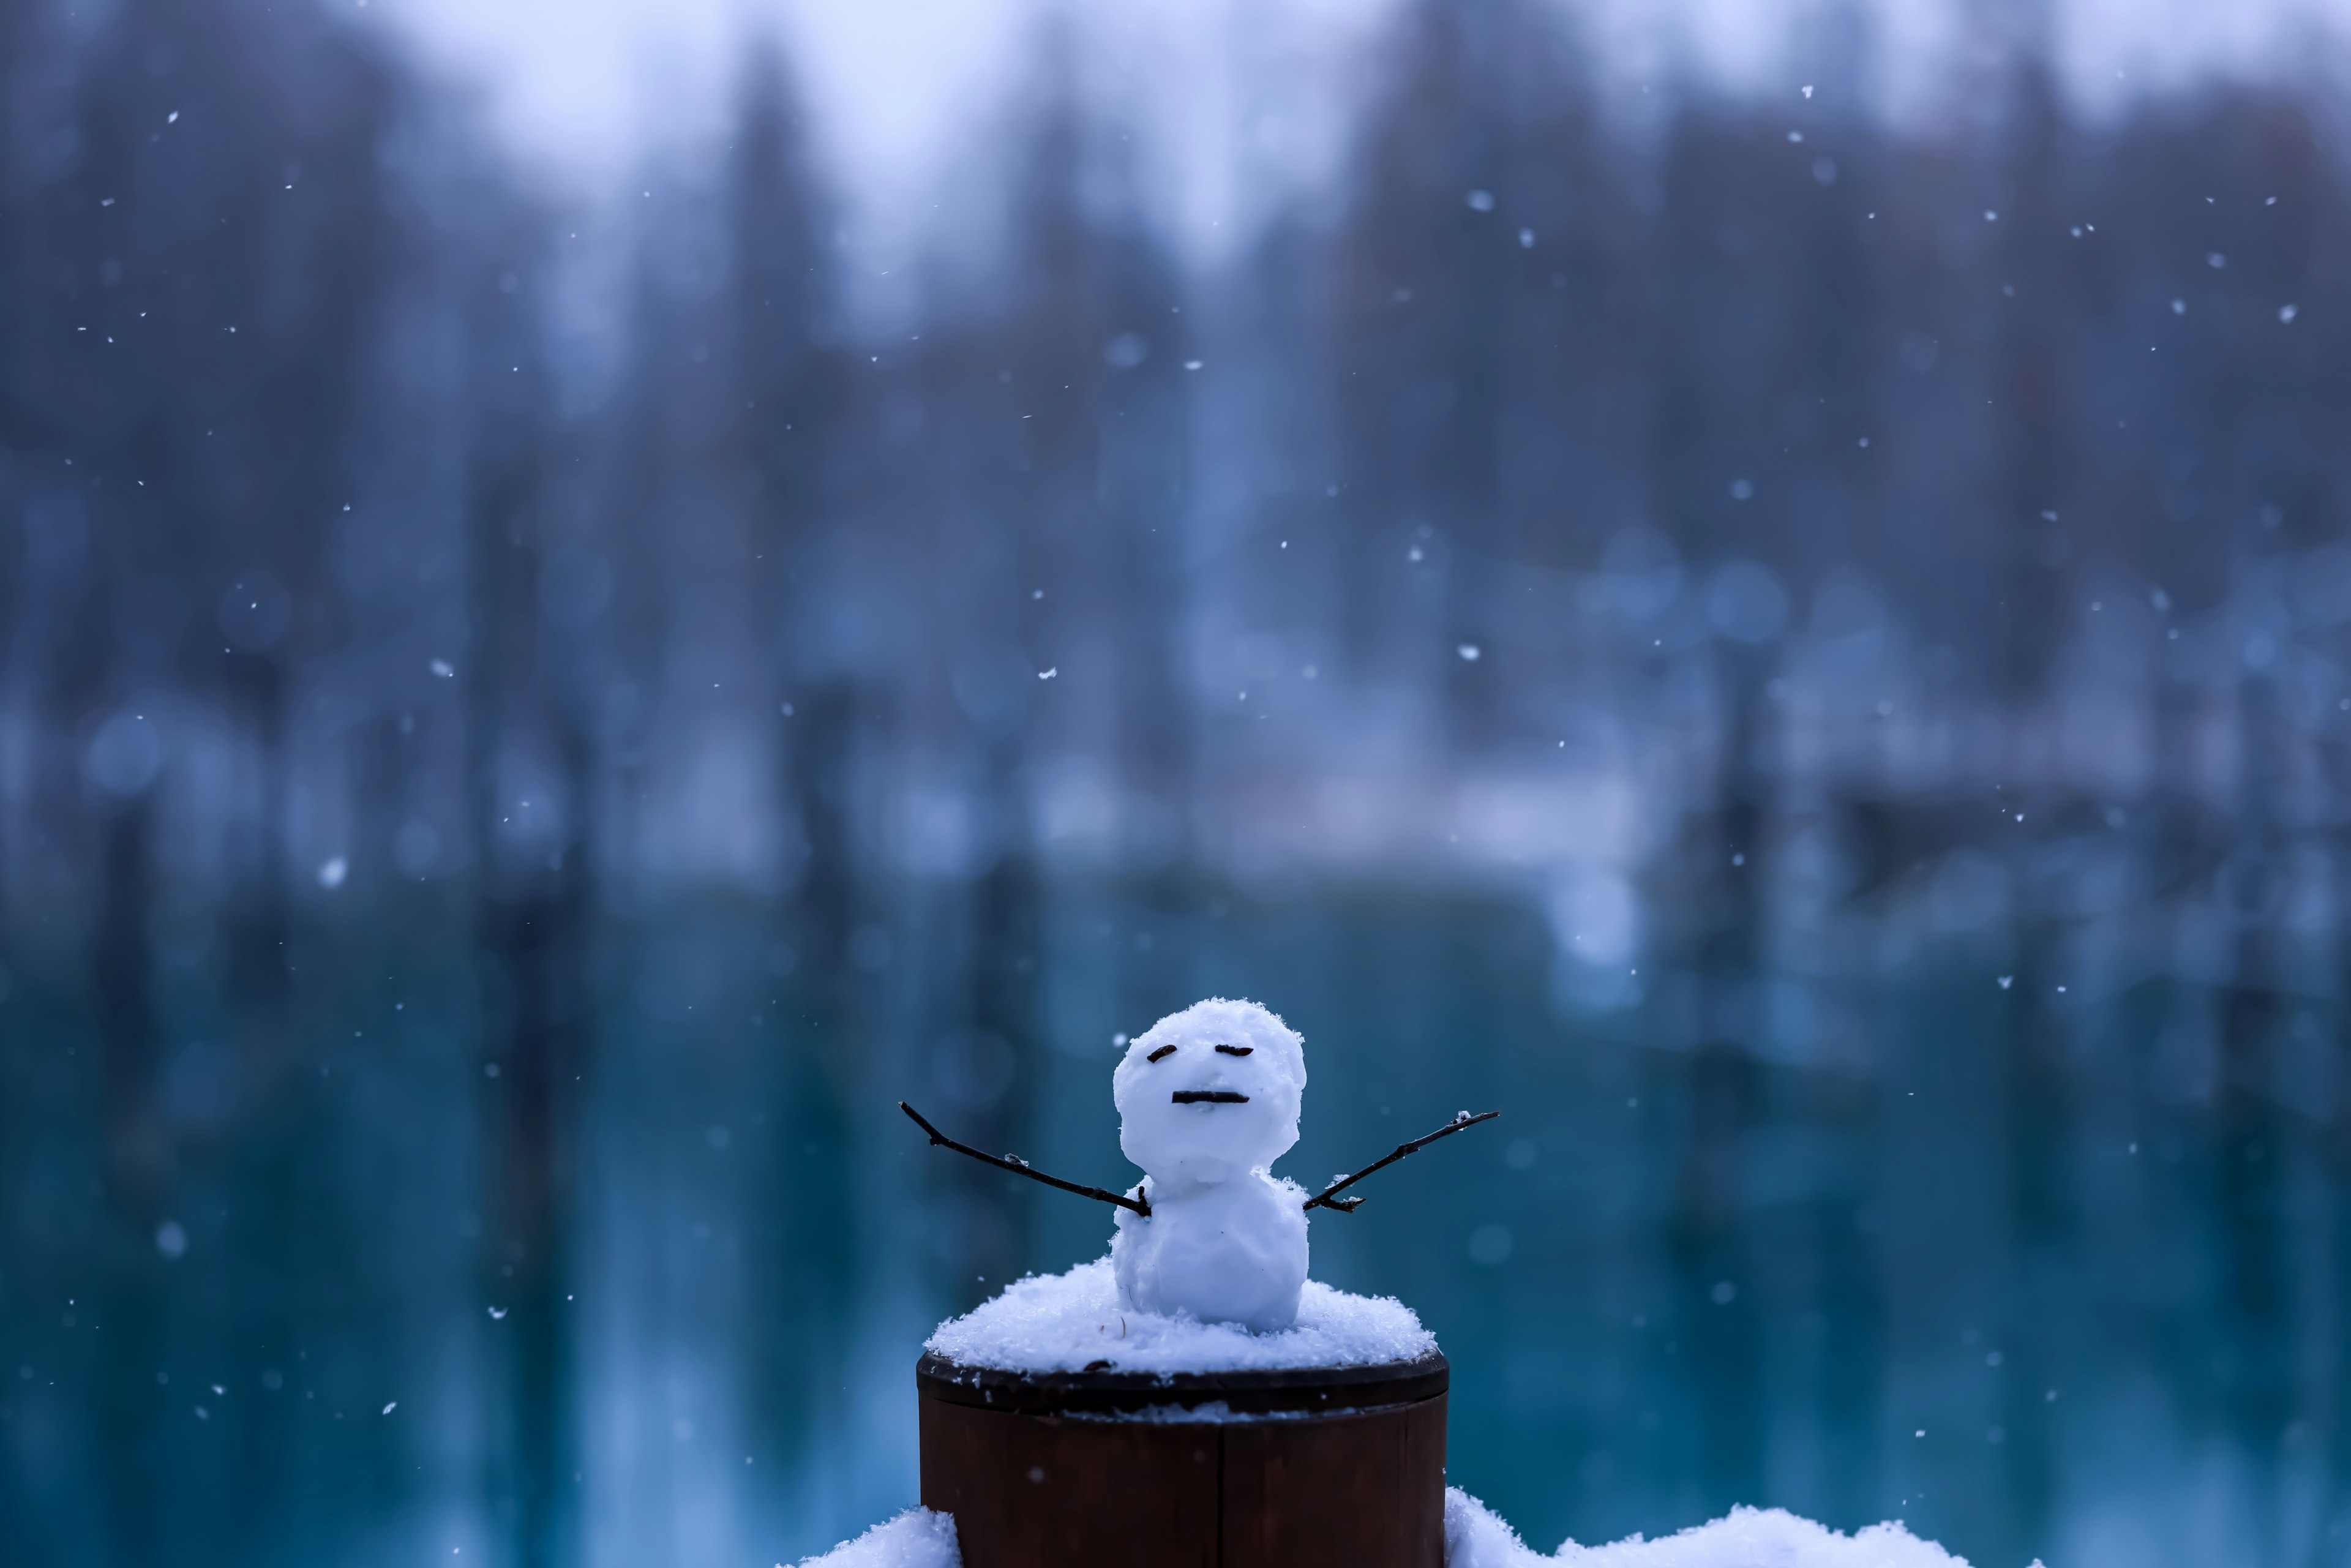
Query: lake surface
(2009,1247)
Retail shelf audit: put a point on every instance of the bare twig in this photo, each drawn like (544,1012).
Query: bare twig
(1328,1199)
(1019,1167)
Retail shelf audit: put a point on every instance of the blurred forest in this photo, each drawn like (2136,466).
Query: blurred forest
(1802,656)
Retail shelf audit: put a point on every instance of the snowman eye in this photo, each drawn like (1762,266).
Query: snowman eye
(1163,1050)
(1235,1049)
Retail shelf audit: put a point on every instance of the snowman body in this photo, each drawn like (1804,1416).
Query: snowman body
(1230,1251)
(1208,1099)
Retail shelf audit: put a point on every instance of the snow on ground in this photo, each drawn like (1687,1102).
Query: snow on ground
(1475,1538)
(1065,1323)
(1746,1538)
(916,1539)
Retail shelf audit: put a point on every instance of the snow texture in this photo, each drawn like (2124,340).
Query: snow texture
(1065,1323)
(1745,1537)
(1208,1099)
(916,1539)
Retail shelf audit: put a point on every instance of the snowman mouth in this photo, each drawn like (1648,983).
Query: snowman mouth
(1209,1097)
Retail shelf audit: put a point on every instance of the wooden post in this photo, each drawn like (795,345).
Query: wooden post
(1337,1466)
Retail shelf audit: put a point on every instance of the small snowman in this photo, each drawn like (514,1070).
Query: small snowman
(1207,1099)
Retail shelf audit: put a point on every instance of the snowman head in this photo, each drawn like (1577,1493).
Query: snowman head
(1210,1093)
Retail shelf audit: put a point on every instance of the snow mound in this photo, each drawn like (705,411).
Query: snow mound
(1476,1538)
(916,1539)
(1066,1322)
(1745,1537)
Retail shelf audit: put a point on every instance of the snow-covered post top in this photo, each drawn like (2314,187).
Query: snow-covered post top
(1193,1399)
(1208,1099)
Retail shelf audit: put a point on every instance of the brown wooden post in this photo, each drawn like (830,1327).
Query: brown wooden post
(1338,1466)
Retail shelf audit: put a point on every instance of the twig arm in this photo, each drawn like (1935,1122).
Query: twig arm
(1019,1167)
(1328,1197)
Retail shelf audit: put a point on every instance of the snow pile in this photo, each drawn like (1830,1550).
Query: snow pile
(1746,1538)
(1475,1538)
(916,1539)
(1208,1099)
(1066,1322)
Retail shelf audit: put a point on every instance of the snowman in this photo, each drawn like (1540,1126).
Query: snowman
(1207,1099)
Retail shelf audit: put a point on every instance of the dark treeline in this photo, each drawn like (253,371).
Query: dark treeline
(1818,642)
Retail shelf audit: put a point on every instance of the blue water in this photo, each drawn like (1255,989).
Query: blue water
(1881,1241)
